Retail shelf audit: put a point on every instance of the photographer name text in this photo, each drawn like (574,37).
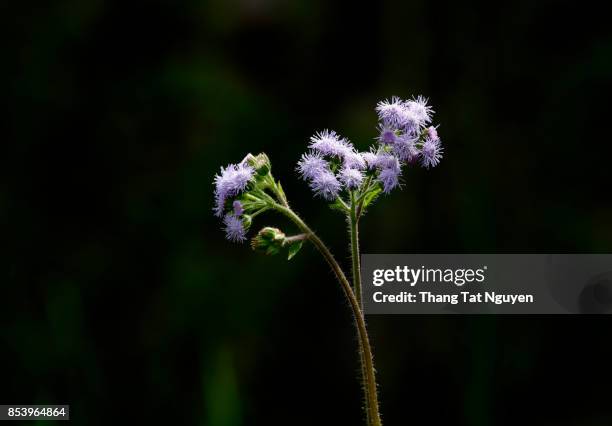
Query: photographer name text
(456,277)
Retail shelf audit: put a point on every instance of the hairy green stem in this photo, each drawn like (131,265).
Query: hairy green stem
(354,231)
(373,414)
(293,238)
(363,193)
(343,204)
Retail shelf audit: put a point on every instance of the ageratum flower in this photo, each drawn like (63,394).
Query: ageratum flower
(326,185)
(432,132)
(419,110)
(405,148)
(387,136)
(405,136)
(431,152)
(390,171)
(389,177)
(351,178)
(354,160)
(311,165)
(393,113)
(337,172)
(371,159)
(234,228)
(232,181)
(328,142)
(387,161)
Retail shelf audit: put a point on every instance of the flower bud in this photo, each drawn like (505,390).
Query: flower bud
(269,240)
(237,207)
(247,220)
(261,163)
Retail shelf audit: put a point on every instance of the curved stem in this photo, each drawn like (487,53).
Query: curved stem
(364,341)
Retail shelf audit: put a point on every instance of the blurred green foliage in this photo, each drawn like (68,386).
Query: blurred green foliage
(120,295)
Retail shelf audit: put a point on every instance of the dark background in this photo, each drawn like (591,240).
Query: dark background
(120,295)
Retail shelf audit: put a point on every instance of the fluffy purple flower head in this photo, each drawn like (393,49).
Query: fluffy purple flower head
(351,178)
(432,132)
(311,165)
(393,113)
(232,181)
(388,161)
(330,143)
(405,148)
(371,159)
(389,177)
(419,110)
(354,160)
(387,135)
(326,185)
(431,152)
(234,228)
(238,209)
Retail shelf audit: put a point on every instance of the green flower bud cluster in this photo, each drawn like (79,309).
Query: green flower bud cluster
(272,241)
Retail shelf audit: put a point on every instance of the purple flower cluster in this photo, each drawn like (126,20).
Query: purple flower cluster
(406,136)
(405,129)
(332,164)
(232,181)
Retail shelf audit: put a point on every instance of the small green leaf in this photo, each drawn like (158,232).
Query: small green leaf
(372,194)
(294,248)
(337,205)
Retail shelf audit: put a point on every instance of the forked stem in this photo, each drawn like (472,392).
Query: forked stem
(371,394)
(354,231)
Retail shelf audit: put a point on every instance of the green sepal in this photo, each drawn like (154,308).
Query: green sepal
(279,188)
(260,162)
(247,221)
(273,250)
